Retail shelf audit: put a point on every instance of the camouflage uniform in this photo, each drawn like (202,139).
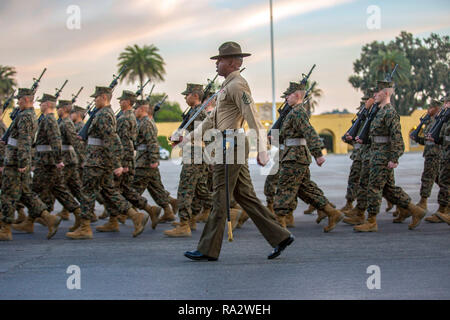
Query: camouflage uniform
(103,156)
(127,131)
(148,153)
(444,174)
(72,155)
(432,154)
(16,185)
(355,171)
(192,188)
(48,180)
(361,194)
(294,177)
(385,127)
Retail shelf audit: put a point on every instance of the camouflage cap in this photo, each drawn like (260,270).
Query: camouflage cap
(230,49)
(435,103)
(191,87)
(78,109)
(369,94)
(293,86)
(128,95)
(63,103)
(47,97)
(383,84)
(101,90)
(24,92)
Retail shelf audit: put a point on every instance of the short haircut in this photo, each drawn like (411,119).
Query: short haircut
(199,93)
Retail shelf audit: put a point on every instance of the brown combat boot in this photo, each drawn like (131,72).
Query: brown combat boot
(242,219)
(355,219)
(139,220)
(83,232)
(281,220)
(203,217)
(310,209)
(111,226)
(403,214)
(122,218)
(168,215)
(348,206)
(174,204)
(21,216)
(417,214)
(64,214)
(192,223)
(353,212)
(369,226)
(77,214)
(26,226)
(433,219)
(104,215)
(40,221)
(182,230)
(290,220)
(444,216)
(5,232)
(389,206)
(52,222)
(422,203)
(154,212)
(234,217)
(396,212)
(334,217)
(270,207)
(94,218)
(320,216)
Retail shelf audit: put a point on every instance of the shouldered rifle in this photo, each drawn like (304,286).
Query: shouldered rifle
(75,97)
(93,111)
(286,108)
(435,130)
(57,94)
(361,116)
(415,134)
(159,104)
(7,102)
(16,110)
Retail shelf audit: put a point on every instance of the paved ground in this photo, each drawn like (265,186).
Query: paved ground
(413,264)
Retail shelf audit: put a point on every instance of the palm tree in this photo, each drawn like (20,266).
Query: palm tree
(315,95)
(7,81)
(142,62)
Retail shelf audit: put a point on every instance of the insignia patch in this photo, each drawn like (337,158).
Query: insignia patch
(246,99)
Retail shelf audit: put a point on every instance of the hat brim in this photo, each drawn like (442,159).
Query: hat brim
(243,55)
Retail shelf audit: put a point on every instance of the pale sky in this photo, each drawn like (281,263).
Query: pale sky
(328,33)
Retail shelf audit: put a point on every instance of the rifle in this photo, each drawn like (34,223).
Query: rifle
(74,97)
(92,112)
(364,134)
(7,102)
(57,94)
(159,104)
(361,116)
(137,93)
(415,134)
(16,110)
(286,108)
(435,130)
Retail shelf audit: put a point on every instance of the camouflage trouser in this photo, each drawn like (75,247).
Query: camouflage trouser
(382,183)
(73,181)
(444,182)
(270,189)
(48,183)
(15,188)
(430,175)
(123,184)
(295,182)
(241,187)
(191,187)
(203,188)
(361,194)
(150,179)
(101,180)
(353,180)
